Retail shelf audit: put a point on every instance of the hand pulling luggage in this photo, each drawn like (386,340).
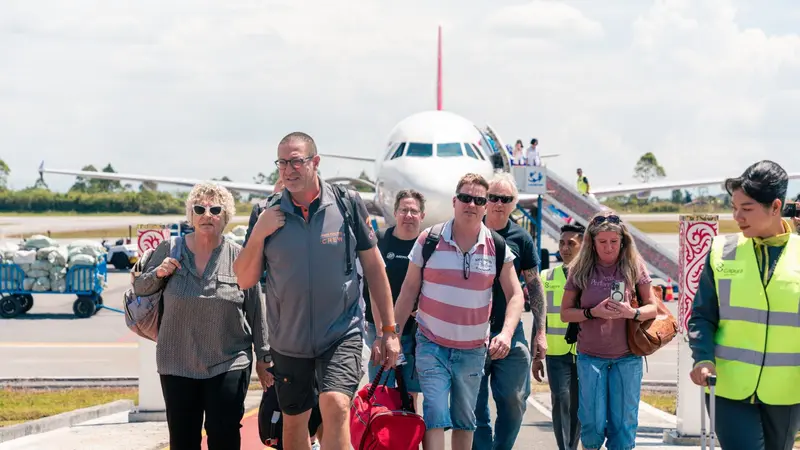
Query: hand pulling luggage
(712,413)
(383,418)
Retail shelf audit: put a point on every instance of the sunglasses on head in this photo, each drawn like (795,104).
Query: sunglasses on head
(200,210)
(466,198)
(610,219)
(506,199)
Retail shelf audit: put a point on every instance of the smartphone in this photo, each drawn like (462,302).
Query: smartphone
(618,291)
(790,210)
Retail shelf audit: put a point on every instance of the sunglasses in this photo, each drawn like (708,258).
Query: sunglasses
(466,198)
(200,210)
(506,199)
(610,219)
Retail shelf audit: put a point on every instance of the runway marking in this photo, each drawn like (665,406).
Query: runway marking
(69,345)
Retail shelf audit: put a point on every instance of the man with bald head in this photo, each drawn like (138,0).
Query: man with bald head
(307,238)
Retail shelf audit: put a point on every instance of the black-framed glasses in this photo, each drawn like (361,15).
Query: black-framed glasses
(466,198)
(505,199)
(610,219)
(295,162)
(467,258)
(201,209)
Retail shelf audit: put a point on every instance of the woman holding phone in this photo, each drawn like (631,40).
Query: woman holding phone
(602,280)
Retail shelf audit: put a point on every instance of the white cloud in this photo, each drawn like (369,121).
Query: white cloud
(545,19)
(205,88)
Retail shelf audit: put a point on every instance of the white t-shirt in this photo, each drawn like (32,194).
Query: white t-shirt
(533,156)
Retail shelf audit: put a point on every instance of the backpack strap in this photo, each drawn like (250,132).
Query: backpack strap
(431,241)
(340,193)
(499,254)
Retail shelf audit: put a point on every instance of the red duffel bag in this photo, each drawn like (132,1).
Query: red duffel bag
(383,418)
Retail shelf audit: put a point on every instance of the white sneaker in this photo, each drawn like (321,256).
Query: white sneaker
(315,446)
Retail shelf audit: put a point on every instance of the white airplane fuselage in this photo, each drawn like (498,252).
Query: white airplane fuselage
(436,178)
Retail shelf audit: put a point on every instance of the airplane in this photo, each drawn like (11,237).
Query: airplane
(428,151)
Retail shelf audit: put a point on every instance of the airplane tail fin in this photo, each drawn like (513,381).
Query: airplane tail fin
(439,73)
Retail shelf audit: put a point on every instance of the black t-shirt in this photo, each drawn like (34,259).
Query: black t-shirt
(521,244)
(395,255)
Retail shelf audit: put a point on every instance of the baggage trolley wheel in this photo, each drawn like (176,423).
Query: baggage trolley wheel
(98,303)
(25,302)
(84,307)
(9,307)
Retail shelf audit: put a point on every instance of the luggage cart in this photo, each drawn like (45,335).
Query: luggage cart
(85,281)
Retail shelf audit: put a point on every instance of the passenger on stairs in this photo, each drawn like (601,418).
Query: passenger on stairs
(532,157)
(745,325)
(609,375)
(518,155)
(509,375)
(562,369)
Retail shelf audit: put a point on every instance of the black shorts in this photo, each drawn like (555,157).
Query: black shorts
(299,381)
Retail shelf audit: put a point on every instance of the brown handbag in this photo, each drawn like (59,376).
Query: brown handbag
(644,338)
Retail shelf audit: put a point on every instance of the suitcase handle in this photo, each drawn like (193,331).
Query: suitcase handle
(710,435)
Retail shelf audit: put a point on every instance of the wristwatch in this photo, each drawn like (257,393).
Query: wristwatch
(391,329)
(636,316)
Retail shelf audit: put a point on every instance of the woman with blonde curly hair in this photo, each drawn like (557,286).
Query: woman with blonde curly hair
(602,280)
(209,326)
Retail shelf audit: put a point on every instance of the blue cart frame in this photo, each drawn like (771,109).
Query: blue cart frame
(82,280)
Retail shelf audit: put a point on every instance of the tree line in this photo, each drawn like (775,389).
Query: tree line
(109,196)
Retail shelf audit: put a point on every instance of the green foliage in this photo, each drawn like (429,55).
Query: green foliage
(36,199)
(648,168)
(4,172)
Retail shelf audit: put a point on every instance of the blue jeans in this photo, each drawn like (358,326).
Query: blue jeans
(450,379)
(609,400)
(409,374)
(510,378)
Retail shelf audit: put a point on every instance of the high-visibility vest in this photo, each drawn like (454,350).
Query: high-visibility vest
(758,337)
(554,281)
(583,187)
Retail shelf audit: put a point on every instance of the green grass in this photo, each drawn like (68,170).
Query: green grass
(725,226)
(665,401)
(21,405)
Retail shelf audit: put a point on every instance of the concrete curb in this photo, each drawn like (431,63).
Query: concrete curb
(63,420)
(67,382)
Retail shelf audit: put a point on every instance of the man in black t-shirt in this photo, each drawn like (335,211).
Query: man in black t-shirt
(395,244)
(509,376)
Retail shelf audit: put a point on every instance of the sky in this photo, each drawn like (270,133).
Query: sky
(204,88)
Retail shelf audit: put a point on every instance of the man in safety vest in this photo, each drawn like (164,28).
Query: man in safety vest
(562,373)
(583,183)
(745,323)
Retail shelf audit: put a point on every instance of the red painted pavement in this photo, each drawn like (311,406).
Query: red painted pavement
(249,431)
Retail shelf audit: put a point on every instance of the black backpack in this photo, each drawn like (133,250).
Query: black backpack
(348,211)
(270,419)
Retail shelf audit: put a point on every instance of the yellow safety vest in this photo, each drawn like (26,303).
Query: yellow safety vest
(554,281)
(583,187)
(758,337)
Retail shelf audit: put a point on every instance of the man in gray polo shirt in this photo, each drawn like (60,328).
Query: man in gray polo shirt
(314,314)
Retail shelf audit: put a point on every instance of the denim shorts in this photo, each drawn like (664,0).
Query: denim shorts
(450,380)
(608,404)
(409,374)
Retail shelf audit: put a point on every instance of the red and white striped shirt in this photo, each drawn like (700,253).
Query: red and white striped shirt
(454,312)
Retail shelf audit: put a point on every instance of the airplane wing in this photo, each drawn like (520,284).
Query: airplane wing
(645,189)
(250,188)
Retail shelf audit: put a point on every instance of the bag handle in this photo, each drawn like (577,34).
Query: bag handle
(405,397)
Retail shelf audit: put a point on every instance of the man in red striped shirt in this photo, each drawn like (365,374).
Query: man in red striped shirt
(455,301)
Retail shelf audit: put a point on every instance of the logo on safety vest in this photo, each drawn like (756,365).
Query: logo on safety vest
(728,269)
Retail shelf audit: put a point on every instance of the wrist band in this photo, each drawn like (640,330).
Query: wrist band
(588,313)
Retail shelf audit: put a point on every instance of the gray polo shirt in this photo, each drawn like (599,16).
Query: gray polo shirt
(311,304)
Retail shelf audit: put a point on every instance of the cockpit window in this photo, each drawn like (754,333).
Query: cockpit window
(449,149)
(478,151)
(420,150)
(399,152)
(470,151)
